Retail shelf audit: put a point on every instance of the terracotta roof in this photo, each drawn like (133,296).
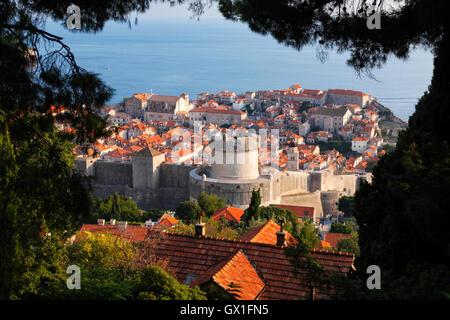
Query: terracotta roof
(231,213)
(333,238)
(216,110)
(266,233)
(141,96)
(360,139)
(312,91)
(347,92)
(131,233)
(235,271)
(304,95)
(167,220)
(332,112)
(299,211)
(163,98)
(148,152)
(190,257)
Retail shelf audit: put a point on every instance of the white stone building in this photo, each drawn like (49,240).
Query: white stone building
(359,144)
(216,115)
(331,119)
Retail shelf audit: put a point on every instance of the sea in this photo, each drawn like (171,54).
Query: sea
(173,56)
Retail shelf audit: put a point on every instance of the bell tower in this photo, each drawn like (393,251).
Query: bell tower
(292,159)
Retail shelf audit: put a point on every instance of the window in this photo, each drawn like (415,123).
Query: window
(306,213)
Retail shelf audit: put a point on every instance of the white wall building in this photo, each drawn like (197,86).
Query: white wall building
(359,144)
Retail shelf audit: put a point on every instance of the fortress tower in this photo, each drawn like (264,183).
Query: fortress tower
(235,158)
(145,166)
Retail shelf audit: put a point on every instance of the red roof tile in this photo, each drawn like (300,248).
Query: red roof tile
(167,220)
(298,210)
(333,238)
(193,257)
(237,271)
(216,110)
(231,213)
(266,233)
(347,92)
(131,233)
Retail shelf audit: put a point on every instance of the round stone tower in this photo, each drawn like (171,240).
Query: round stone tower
(235,158)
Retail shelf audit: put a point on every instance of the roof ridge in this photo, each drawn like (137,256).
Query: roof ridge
(230,260)
(252,243)
(264,227)
(341,253)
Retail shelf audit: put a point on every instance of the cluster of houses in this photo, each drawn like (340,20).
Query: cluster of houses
(302,118)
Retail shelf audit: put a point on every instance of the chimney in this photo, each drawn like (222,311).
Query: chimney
(101,222)
(281,238)
(122,225)
(200,229)
(112,222)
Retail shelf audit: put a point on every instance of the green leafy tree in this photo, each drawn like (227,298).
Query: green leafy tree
(222,228)
(156,284)
(182,228)
(342,146)
(306,234)
(243,227)
(152,214)
(304,106)
(45,205)
(46,201)
(350,245)
(188,211)
(210,203)
(117,207)
(101,250)
(338,227)
(275,213)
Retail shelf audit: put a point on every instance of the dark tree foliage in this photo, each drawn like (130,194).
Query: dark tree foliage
(42,202)
(306,234)
(210,203)
(275,213)
(341,228)
(342,146)
(349,245)
(117,207)
(152,214)
(403,214)
(341,25)
(188,211)
(346,204)
(252,212)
